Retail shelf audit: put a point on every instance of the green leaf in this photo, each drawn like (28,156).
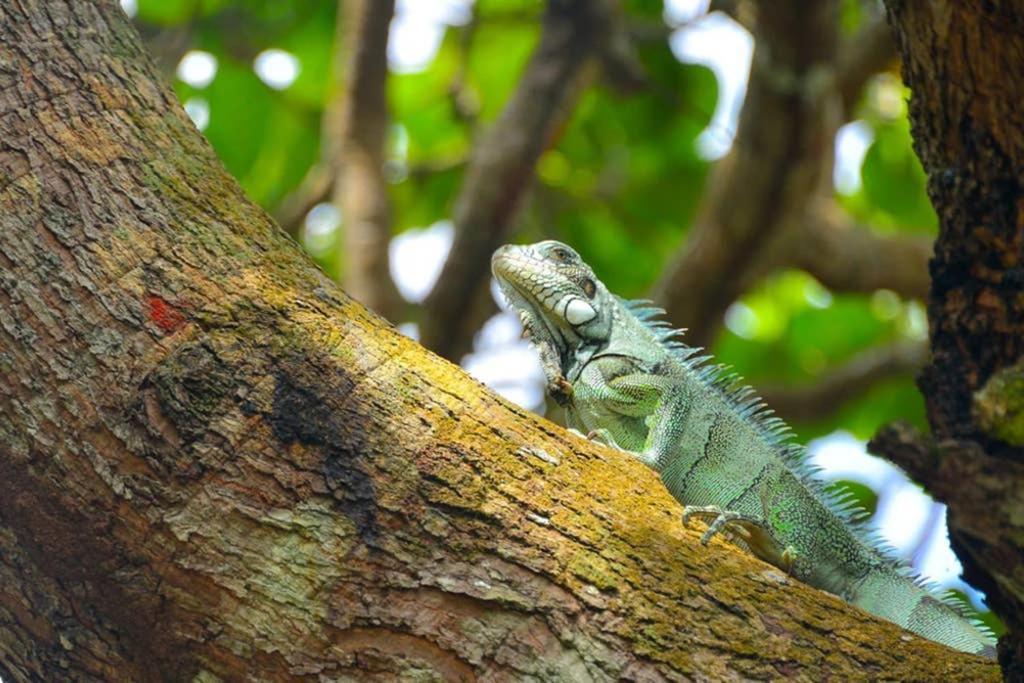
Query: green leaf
(894,182)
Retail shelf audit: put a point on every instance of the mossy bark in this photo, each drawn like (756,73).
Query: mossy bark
(964,63)
(217,466)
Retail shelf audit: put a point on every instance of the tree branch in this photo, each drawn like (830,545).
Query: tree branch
(962,61)
(351,171)
(902,444)
(844,383)
(166,44)
(752,220)
(464,104)
(846,257)
(743,12)
(869,51)
(361,116)
(785,135)
(501,168)
(315,188)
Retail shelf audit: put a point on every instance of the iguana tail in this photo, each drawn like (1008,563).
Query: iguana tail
(891,594)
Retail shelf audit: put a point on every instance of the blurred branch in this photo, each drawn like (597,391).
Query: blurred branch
(864,54)
(740,11)
(314,189)
(782,154)
(753,218)
(464,104)
(620,66)
(360,120)
(653,30)
(425,169)
(351,170)
(846,257)
(501,167)
(167,44)
(845,382)
(905,446)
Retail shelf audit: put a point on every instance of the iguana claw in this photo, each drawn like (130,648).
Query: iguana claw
(560,390)
(747,529)
(721,519)
(601,436)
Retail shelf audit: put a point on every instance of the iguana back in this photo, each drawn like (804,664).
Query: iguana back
(624,377)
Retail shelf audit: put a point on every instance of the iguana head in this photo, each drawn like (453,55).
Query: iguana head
(558,299)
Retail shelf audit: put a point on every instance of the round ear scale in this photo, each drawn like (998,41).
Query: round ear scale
(579,311)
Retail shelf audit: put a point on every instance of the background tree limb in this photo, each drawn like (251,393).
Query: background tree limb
(501,168)
(314,189)
(360,115)
(351,170)
(785,132)
(845,382)
(866,53)
(847,257)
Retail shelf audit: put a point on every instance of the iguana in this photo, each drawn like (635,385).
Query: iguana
(625,379)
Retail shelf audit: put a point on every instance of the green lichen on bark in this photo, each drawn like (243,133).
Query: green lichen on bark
(999,405)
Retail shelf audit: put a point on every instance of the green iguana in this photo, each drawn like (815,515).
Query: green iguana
(625,379)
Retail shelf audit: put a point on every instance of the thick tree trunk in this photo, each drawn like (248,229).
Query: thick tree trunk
(964,62)
(217,465)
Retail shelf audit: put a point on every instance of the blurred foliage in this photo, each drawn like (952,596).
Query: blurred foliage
(267,138)
(893,195)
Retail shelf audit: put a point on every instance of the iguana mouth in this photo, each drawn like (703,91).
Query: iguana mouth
(535,324)
(535,320)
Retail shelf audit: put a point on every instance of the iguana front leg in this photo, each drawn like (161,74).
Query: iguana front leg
(751,531)
(557,386)
(668,437)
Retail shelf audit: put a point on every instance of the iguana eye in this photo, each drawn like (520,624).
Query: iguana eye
(562,255)
(589,288)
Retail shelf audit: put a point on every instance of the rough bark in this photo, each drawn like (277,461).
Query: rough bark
(963,63)
(218,465)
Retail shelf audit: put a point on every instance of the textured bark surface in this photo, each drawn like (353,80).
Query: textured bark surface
(215,464)
(964,63)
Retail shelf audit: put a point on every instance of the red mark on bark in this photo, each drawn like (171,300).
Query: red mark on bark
(164,315)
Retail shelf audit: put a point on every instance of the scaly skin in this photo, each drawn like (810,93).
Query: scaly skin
(625,380)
